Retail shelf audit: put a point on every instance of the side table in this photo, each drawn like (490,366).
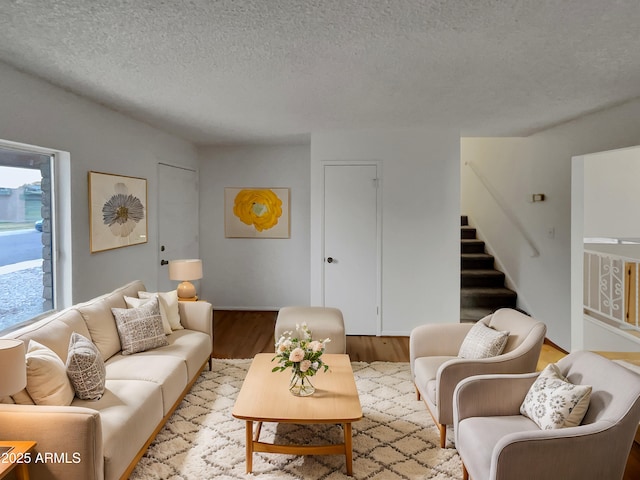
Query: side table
(17,458)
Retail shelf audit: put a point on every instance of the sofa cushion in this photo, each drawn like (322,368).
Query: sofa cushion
(477,437)
(140,328)
(426,371)
(130,410)
(47,381)
(135,302)
(483,342)
(101,324)
(170,372)
(85,368)
(194,348)
(553,402)
(54,331)
(168,307)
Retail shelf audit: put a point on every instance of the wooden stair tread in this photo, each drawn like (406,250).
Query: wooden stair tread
(482,287)
(473,314)
(487,291)
(476,255)
(481,272)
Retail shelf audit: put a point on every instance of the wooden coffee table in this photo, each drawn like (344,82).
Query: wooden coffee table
(265,397)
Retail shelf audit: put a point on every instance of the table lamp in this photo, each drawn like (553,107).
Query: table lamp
(183,271)
(13,376)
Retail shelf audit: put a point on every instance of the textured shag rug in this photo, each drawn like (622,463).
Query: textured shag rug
(396,439)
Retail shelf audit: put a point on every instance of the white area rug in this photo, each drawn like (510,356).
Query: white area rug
(396,439)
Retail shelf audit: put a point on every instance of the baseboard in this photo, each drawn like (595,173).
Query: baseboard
(551,344)
(246,309)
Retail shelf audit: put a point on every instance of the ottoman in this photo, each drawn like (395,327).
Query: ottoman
(324,322)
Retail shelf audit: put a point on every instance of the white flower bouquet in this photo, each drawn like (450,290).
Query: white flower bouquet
(303,355)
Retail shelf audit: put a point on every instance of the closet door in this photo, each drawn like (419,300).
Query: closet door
(178,226)
(351,245)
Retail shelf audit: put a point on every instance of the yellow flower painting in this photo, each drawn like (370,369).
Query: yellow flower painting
(257,212)
(258,207)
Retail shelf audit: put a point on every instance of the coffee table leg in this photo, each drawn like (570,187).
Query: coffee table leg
(348,448)
(249,435)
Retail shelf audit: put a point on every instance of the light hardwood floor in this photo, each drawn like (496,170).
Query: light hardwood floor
(240,334)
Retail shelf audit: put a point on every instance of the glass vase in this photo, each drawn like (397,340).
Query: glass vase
(301,385)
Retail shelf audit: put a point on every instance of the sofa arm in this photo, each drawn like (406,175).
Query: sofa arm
(69,439)
(197,316)
(490,395)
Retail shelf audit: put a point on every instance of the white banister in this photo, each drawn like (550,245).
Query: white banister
(504,207)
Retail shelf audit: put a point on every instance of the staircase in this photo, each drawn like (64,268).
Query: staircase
(482,289)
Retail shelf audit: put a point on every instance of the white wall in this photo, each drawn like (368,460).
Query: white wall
(250,273)
(420,220)
(604,204)
(37,113)
(541,163)
(612,194)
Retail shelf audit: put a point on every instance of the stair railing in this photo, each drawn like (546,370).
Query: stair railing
(504,206)
(612,288)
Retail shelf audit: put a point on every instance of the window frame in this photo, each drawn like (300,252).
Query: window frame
(60,219)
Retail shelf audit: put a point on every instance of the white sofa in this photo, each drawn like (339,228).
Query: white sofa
(105,438)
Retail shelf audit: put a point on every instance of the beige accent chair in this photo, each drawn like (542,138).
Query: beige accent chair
(436,368)
(496,442)
(324,322)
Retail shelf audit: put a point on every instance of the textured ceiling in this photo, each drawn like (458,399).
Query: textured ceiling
(226,71)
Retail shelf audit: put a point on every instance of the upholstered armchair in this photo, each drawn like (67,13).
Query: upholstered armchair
(436,367)
(496,442)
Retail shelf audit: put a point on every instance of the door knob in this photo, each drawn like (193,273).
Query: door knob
(164,262)
(330,260)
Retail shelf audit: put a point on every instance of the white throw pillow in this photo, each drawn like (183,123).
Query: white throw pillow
(133,302)
(85,368)
(47,380)
(483,342)
(140,328)
(552,402)
(168,306)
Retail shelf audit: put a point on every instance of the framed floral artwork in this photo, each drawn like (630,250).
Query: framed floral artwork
(256,212)
(117,211)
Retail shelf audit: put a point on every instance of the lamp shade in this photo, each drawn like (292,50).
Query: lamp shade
(190,269)
(13,375)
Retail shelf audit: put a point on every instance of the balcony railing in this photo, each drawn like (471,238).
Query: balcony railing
(611,288)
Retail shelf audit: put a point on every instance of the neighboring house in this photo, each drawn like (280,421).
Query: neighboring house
(424,177)
(20,204)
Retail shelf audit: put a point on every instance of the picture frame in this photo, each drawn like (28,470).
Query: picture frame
(117,211)
(257,212)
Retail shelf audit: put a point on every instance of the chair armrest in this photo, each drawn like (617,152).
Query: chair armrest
(454,371)
(73,433)
(197,316)
(583,454)
(490,395)
(442,339)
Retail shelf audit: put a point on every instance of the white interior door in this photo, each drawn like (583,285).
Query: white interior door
(351,245)
(178,225)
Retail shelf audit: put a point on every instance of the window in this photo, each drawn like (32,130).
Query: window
(28,280)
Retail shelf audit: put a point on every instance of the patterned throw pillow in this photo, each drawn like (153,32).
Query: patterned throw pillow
(483,342)
(85,368)
(552,402)
(140,328)
(133,302)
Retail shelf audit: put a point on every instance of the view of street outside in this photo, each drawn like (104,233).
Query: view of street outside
(21,268)
(20,274)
